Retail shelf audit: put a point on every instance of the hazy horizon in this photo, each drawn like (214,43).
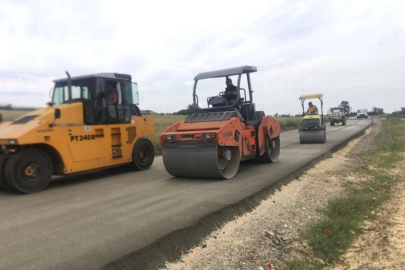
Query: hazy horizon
(346,50)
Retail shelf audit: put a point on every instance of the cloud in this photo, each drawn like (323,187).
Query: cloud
(347,50)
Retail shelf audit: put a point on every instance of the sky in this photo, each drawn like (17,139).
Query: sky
(347,50)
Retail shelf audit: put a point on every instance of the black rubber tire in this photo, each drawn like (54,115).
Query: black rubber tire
(271,153)
(332,123)
(344,122)
(3,182)
(148,155)
(17,166)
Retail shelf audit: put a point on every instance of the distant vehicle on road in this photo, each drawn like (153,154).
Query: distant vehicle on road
(362,113)
(313,128)
(337,115)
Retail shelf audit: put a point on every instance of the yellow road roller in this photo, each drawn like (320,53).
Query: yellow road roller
(313,128)
(92,122)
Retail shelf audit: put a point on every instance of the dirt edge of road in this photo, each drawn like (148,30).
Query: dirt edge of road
(171,247)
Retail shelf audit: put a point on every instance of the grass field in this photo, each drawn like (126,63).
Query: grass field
(162,122)
(9,115)
(343,216)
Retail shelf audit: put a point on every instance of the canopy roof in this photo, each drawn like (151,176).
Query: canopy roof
(311,96)
(99,75)
(225,72)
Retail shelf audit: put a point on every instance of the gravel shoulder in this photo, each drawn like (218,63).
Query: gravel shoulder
(271,232)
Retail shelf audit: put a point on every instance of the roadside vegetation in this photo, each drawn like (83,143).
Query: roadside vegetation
(9,115)
(346,216)
(162,122)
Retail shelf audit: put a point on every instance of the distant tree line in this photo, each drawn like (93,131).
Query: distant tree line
(344,104)
(6,106)
(189,110)
(400,113)
(376,111)
(10,107)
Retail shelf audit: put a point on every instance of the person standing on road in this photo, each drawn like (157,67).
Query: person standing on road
(312,108)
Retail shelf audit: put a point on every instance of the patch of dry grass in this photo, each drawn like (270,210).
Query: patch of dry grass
(162,122)
(289,122)
(9,115)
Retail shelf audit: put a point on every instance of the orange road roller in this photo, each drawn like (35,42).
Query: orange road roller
(224,130)
(92,122)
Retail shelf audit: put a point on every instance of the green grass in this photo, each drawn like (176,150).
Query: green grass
(344,215)
(393,143)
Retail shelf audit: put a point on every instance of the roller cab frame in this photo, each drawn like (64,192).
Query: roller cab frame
(212,142)
(312,128)
(337,115)
(92,122)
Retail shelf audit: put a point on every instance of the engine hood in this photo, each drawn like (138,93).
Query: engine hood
(41,119)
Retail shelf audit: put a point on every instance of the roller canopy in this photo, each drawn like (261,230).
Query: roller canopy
(311,96)
(99,75)
(225,72)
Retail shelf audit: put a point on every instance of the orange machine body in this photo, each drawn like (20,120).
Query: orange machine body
(232,132)
(212,141)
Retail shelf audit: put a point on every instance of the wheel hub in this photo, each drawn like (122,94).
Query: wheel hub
(227,155)
(224,156)
(32,170)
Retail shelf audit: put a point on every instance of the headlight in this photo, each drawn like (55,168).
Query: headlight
(12,141)
(169,137)
(209,136)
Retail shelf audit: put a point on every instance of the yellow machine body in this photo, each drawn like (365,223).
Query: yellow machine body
(312,129)
(312,116)
(93,122)
(79,146)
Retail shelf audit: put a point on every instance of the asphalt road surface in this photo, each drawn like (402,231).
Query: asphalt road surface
(87,221)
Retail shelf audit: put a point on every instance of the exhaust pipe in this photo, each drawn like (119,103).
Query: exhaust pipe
(69,84)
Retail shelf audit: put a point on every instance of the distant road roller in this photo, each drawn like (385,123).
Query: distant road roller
(222,132)
(92,122)
(313,128)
